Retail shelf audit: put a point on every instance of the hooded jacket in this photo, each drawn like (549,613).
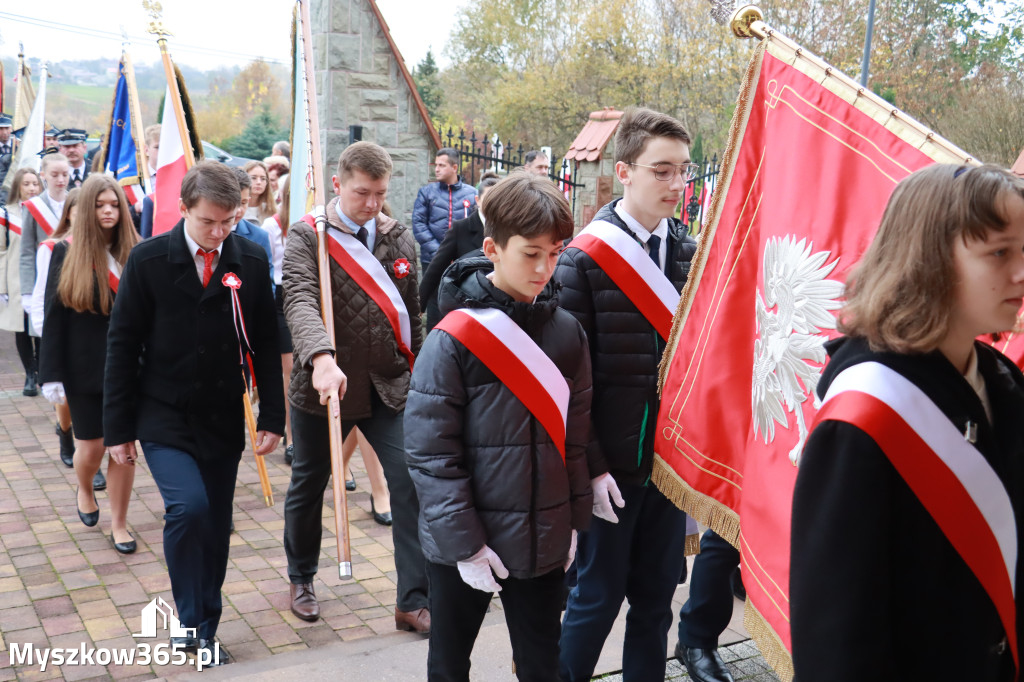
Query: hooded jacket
(873,577)
(437,206)
(625,351)
(485,470)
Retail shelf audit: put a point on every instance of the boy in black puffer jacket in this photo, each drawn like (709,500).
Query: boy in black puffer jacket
(621,278)
(496,427)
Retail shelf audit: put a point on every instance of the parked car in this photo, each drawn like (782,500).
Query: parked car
(217,154)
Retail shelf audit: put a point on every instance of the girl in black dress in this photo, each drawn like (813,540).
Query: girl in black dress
(80,293)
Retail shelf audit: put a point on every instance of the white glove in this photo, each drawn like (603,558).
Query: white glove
(572,551)
(54,392)
(606,492)
(26,303)
(5,298)
(476,570)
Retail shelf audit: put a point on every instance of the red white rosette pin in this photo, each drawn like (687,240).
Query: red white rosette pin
(234,283)
(402,268)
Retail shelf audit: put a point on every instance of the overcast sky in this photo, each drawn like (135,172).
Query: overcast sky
(206,34)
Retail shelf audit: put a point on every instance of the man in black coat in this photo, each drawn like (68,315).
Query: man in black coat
(174,381)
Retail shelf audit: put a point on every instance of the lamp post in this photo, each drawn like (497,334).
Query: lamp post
(867,45)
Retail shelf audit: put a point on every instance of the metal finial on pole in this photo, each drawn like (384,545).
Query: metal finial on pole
(721,10)
(744,20)
(864,65)
(156,25)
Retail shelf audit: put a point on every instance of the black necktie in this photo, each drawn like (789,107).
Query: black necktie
(77,177)
(362,235)
(654,246)
(5,149)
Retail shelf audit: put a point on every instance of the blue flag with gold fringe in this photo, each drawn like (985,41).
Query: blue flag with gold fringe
(122,153)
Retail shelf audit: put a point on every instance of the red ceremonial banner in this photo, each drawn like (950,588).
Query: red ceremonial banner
(810,166)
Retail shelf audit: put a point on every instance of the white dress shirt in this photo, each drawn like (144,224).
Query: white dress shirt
(643,234)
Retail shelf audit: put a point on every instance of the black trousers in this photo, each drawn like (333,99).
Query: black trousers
(304,503)
(533,609)
(28,348)
(197,529)
(705,615)
(640,559)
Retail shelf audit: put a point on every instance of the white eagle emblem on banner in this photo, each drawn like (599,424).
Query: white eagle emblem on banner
(796,307)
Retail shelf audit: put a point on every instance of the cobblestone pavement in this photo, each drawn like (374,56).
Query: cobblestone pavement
(743,660)
(63,585)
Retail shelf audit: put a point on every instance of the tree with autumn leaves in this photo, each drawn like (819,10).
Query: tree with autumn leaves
(534,69)
(253,107)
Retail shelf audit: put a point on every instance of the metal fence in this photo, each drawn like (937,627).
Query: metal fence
(697,197)
(489,154)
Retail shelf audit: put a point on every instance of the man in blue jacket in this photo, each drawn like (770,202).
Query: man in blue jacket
(438,205)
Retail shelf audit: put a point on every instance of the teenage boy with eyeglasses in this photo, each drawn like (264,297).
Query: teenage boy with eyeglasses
(634,552)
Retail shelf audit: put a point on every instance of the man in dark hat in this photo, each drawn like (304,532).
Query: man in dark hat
(72,145)
(6,139)
(50,137)
(6,152)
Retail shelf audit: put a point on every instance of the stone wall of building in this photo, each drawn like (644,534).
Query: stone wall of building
(359,83)
(599,186)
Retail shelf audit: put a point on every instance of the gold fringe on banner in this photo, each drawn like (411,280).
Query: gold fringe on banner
(736,131)
(705,510)
(768,642)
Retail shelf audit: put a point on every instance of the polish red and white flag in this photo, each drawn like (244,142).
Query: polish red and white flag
(171,167)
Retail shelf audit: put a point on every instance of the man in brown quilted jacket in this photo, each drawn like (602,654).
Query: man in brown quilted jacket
(377,330)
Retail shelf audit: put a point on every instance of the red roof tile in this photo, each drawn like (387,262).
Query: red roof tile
(590,143)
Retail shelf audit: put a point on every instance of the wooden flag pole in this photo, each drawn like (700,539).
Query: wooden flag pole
(156,27)
(138,132)
(305,38)
(261,465)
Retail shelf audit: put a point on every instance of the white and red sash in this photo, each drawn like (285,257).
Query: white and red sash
(518,362)
(13,219)
(632,270)
(42,213)
(950,477)
(361,265)
(113,272)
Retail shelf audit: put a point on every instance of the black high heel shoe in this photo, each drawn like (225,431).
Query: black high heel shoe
(383,519)
(92,518)
(350,483)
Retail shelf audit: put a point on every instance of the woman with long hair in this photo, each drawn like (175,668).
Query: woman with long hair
(262,206)
(25,185)
(83,281)
(277,227)
(909,503)
(35,319)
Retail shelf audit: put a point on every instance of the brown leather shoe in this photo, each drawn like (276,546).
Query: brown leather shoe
(413,621)
(304,603)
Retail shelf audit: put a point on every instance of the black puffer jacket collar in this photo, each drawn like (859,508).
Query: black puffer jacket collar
(465,285)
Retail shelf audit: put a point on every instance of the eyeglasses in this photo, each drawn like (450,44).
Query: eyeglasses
(666,171)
